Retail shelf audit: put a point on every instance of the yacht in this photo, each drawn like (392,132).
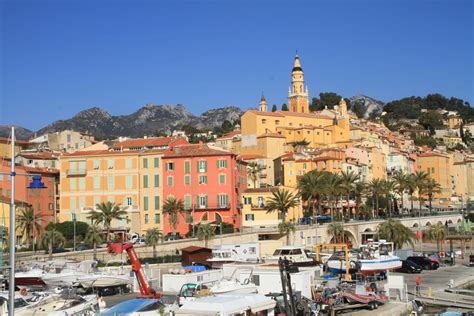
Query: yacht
(299,256)
(248,252)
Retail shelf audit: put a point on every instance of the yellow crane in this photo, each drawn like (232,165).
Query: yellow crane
(345,247)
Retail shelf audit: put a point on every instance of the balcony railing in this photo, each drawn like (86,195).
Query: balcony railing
(76,172)
(207,207)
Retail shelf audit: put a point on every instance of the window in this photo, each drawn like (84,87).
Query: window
(72,206)
(222,179)
(187,179)
(128,182)
(82,184)
(146,218)
(68,137)
(170,166)
(304,166)
(280,215)
(277,122)
(145,181)
(249,217)
(432,170)
(291,173)
(72,167)
(202,179)
(110,182)
(222,200)
(247,200)
(187,202)
(156,162)
(202,201)
(202,166)
(128,163)
(96,164)
(157,219)
(110,164)
(170,181)
(96,200)
(157,202)
(50,206)
(129,201)
(1,177)
(221,163)
(145,203)
(82,202)
(72,184)
(156,180)
(260,201)
(145,162)
(264,121)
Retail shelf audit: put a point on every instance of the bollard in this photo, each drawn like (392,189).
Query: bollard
(430,292)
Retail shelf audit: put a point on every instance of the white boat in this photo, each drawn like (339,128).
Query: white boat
(60,305)
(233,285)
(299,256)
(102,280)
(230,253)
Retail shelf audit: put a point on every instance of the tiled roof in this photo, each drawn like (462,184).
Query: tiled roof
(231,134)
(194,150)
(144,142)
(99,153)
(261,190)
(294,114)
(43,156)
(250,157)
(7,199)
(432,155)
(40,170)
(17,142)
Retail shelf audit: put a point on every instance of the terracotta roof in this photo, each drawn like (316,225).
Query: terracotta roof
(41,170)
(231,134)
(99,153)
(261,190)
(325,158)
(288,113)
(7,199)
(43,156)
(271,135)
(432,155)
(194,150)
(17,142)
(250,157)
(144,142)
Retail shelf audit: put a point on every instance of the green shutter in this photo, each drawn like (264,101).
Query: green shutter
(205,199)
(145,162)
(205,166)
(225,163)
(156,162)
(187,180)
(128,182)
(170,181)
(145,203)
(157,180)
(157,202)
(145,181)
(187,167)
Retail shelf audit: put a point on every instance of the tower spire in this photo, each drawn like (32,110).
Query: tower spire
(298,95)
(263,106)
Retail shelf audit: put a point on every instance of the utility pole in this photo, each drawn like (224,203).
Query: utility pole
(11,284)
(74,230)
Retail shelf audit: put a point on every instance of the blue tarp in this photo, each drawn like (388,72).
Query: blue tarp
(130,306)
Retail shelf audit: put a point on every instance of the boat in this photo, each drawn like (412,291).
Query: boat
(337,262)
(102,280)
(33,277)
(191,291)
(136,307)
(233,285)
(60,305)
(299,256)
(230,253)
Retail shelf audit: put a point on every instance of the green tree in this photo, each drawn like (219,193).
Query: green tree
(67,229)
(94,237)
(28,222)
(388,187)
(105,214)
(336,230)
(431,120)
(438,233)
(401,182)
(284,107)
(329,188)
(51,238)
(205,232)
(286,228)
(281,201)
(420,178)
(394,231)
(359,109)
(274,108)
(431,187)
(375,188)
(348,182)
(173,208)
(312,187)
(326,99)
(254,171)
(152,238)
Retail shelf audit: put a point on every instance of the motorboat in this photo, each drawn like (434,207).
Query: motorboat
(136,307)
(299,256)
(233,285)
(102,280)
(234,253)
(33,277)
(22,301)
(337,262)
(191,291)
(59,305)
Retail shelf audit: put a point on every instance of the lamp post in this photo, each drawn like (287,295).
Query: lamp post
(35,184)
(74,231)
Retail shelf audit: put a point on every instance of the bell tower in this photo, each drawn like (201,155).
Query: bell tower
(263,106)
(298,94)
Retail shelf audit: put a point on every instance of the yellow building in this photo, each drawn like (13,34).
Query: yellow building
(123,177)
(6,147)
(454,121)
(254,213)
(438,167)
(459,179)
(451,141)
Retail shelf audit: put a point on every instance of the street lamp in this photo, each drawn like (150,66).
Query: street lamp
(74,231)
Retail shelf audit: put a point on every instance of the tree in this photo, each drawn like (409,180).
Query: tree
(431,187)
(394,231)
(173,208)
(336,230)
(348,182)
(284,107)
(431,120)
(274,108)
(401,182)
(286,228)
(51,238)
(312,187)
(105,214)
(326,99)
(152,238)
(438,233)
(359,108)
(331,189)
(67,228)
(360,190)
(281,201)
(411,187)
(94,237)
(420,178)
(28,222)
(253,171)
(375,187)
(205,232)
(388,187)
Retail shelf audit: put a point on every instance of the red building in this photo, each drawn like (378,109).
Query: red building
(42,200)
(207,180)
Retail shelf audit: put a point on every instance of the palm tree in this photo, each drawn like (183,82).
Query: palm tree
(401,180)
(28,222)
(411,187)
(281,201)
(336,229)
(94,237)
(152,238)
(285,228)
(253,171)
(348,182)
(394,231)
(105,214)
(173,208)
(332,190)
(313,187)
(438,233)
(375,187)
(51,238)
(431,187)
(360,190)
(420,178)
(205,232)
(388,187)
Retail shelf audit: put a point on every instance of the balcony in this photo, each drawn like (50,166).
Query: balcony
(207,207)
(76,172)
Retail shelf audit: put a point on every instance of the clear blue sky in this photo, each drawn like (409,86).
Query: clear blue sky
(60,57)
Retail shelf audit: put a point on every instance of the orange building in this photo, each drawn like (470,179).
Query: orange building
(207,180)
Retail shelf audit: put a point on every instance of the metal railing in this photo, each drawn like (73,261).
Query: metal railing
(76,172)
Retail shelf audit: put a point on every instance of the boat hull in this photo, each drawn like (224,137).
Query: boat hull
(381,265)
(29,281)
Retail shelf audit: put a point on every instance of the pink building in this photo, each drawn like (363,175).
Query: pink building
(207,180)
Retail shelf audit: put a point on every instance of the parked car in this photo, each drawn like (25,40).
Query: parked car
(409,267)
(82,247)
(423,262)
(471,260)
(170,236)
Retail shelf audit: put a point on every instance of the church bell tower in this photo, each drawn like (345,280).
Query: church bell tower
(298,94)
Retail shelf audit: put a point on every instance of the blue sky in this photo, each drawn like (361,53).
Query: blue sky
(60,57)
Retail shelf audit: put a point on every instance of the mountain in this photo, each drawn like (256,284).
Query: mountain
(20,132)
(366,106)
(146,121)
